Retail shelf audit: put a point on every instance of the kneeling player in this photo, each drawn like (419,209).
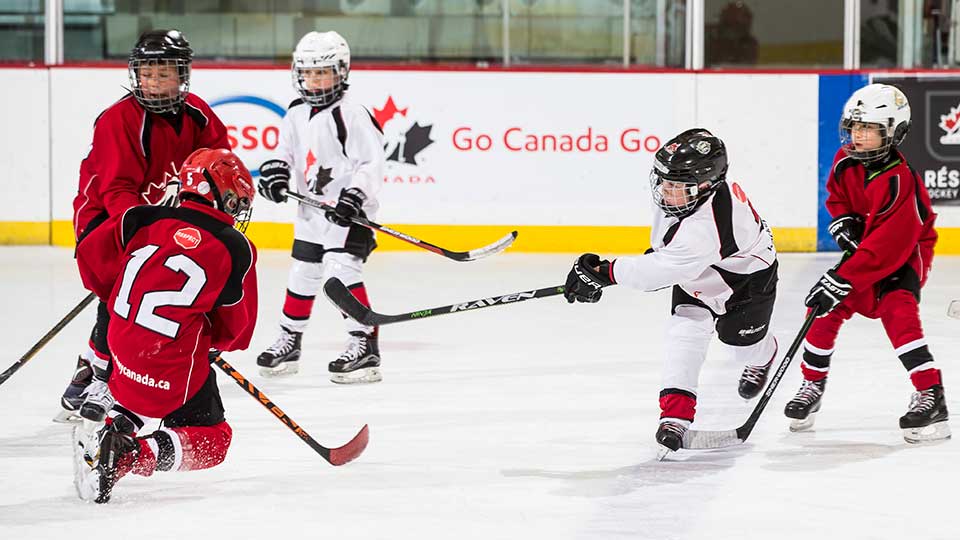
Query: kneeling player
(710,244)
(178,282)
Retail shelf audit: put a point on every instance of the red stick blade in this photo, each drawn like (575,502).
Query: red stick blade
(351,450)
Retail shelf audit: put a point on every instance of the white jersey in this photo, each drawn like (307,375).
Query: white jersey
(328,150)
(709,253)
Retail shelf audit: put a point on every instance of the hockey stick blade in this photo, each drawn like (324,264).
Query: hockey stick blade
(338,293)
(701,440)
(334,456)
(459,256)
(954,309)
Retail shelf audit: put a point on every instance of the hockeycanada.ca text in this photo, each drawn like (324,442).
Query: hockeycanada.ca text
(505,299)
(142,379)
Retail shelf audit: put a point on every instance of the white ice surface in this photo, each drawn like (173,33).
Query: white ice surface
(532,421)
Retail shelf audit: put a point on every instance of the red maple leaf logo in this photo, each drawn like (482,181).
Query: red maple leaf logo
(388,111)
(311,159)
(950,122)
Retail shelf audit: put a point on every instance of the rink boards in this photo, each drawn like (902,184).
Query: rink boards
(561,156)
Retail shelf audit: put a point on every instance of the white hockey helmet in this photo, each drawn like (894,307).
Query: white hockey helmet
(880,104)
(321,50)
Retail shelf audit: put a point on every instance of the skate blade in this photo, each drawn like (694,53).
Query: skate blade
(803,424)
(360,376)
(934,432)
(86,479)
(663,452)
(67,417)
(281,370)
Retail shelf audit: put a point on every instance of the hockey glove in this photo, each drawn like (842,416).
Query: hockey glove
(274,180)
(847,230)
(586,279)
(171,193)
(348,207)
(828,292)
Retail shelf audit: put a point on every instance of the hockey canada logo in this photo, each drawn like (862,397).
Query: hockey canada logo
(950,123)
(187,238)
(405,140)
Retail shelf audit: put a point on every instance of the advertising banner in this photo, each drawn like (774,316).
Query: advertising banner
(933,144)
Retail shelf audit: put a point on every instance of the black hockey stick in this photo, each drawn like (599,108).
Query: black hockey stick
(47,337)
(338,293)
(461,256)
(700,440)
(334,456)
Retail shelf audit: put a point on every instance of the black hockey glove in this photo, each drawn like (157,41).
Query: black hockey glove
(828,292)
(586,279)
(274,180)
(348,207)
(847,230)
(171,193)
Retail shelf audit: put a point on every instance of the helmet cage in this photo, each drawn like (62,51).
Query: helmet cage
(692,193)
(230,202)
(158,103)
(320,97)
(888,139)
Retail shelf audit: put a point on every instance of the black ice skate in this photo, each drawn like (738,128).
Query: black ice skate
(118,452)
(72,397)
(804,406)
(670,436)
(360,363)
(926,420)
(753,379)
(282,357)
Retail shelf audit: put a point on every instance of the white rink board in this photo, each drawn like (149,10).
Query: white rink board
(24,150)
(453,183)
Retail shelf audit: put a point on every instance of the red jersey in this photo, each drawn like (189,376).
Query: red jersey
(899,218)
(134,153)
(177,281)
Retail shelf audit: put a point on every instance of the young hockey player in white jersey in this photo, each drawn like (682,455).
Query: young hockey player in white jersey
(332,150)
(712,247)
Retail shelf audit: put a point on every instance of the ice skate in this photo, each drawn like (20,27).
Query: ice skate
(805,404)
(72,397)
(753,379)
(97,401)
(670,436)
(281,358)
(926,419)
(360,363)
(86,454)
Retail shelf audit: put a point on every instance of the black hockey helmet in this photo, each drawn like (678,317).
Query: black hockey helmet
(688,161)
(158,55)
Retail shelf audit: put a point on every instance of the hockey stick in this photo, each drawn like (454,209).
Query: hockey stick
(338,293)
(952,311)
(46,338)
(460,256)
(334,456)
(700,440)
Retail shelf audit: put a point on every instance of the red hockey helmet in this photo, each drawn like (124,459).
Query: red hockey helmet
(219,177)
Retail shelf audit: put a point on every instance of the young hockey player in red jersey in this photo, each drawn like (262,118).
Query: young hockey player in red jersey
(711,246)
(138,144)
(178,281)
(884,222)
(330,149)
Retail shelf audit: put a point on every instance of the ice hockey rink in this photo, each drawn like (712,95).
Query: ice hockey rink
(534,420)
